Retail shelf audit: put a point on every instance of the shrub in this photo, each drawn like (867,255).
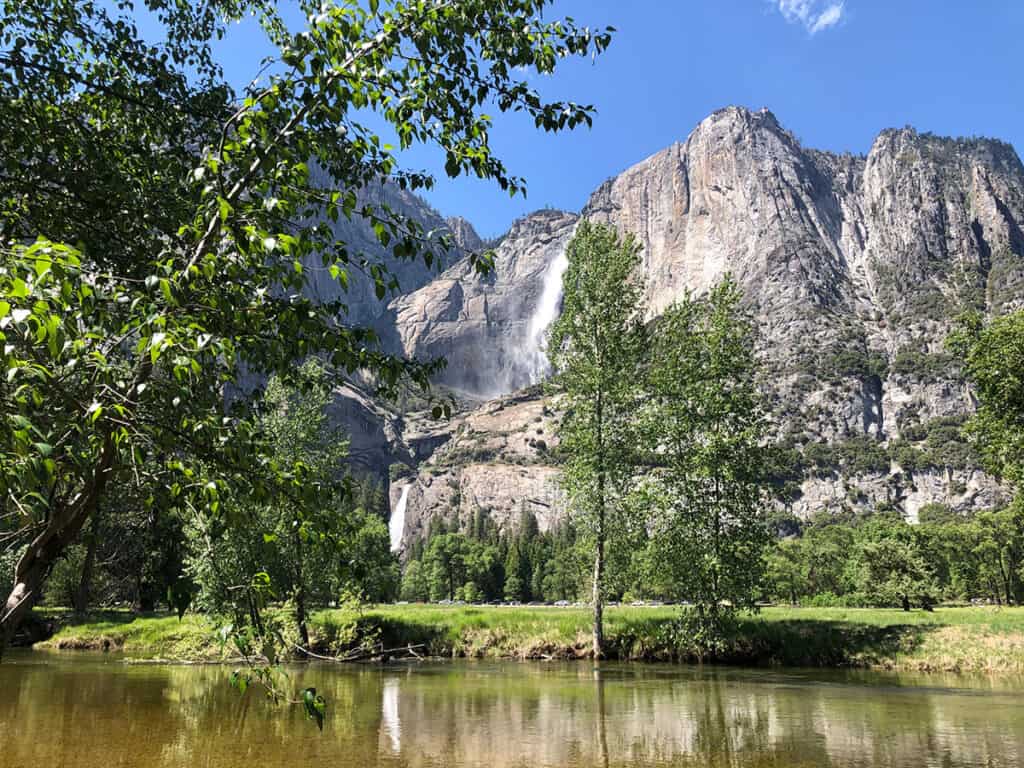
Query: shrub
(398,471)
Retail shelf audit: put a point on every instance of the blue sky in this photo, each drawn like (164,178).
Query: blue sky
(834,73)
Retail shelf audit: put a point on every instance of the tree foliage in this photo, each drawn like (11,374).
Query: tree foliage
(596,349)
(158,230)
(993,356)
(706,432)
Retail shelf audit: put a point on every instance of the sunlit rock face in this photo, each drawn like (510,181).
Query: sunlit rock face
(844,260)
(854,268)
(490,329)
(496,459)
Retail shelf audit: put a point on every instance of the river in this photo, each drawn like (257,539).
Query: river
(79,709)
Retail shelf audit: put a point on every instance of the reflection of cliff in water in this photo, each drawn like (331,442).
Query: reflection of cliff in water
(463,715)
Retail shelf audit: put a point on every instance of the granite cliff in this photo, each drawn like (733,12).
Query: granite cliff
(855,268)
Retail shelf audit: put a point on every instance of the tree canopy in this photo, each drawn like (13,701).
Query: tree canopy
(157,230)
(596,349)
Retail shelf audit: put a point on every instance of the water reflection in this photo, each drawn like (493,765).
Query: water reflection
(391,723)
(89,713)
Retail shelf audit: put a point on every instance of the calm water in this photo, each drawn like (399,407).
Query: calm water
(89,711)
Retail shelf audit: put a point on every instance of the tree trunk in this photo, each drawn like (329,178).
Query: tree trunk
(82,594)
(599,548)
(906,602)
(300,594)
(62,528)
(599,599)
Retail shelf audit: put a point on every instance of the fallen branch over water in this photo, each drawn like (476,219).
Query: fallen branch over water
(377,651)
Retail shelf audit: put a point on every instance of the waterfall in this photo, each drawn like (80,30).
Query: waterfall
(396,525)
(535,349)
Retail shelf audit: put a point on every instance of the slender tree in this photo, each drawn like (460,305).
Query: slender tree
(596,349)
(993,357)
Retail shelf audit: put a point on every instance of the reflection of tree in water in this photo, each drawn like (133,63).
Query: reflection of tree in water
(602,724)
(74,715)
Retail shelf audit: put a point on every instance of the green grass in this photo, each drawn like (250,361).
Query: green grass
(146,635)
(950,639)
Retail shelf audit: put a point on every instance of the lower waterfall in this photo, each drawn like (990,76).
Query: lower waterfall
(396,525)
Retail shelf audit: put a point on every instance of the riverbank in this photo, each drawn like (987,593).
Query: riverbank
(949,639)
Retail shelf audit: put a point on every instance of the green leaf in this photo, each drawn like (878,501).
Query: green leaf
(18,289)
(224,208)
(156,346)
(315,706)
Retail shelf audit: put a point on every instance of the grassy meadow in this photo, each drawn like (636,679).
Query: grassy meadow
(981,639)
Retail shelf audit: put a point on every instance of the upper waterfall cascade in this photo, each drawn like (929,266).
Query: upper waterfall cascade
(535,349)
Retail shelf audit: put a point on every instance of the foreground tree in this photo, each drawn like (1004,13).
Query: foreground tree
(705,428)
(596,349)
(157,232)
(309,556)
(993,359)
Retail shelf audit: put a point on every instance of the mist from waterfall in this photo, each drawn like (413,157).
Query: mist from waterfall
(535,349)
(396,524)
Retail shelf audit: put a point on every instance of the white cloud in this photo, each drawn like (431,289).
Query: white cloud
(814,15)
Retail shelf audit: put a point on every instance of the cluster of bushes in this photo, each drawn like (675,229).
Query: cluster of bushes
(925,366)
(883,561)
(936,444)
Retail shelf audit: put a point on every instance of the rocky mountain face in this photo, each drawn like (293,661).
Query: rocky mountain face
(363,306)
(854,267)
(494,458)
(489,329)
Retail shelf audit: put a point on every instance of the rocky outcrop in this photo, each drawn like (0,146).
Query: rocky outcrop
(961,491)
(464,235)
(497,460)
(482,325)
(362,247)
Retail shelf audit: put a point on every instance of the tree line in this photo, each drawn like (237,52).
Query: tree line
(884,561)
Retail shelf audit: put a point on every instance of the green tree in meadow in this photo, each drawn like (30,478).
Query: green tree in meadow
(1000,548)
(415,583)
(786,569)
(891,567)
(706,434)
(596,348)
(993,359)
(309,556)
(446,560)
